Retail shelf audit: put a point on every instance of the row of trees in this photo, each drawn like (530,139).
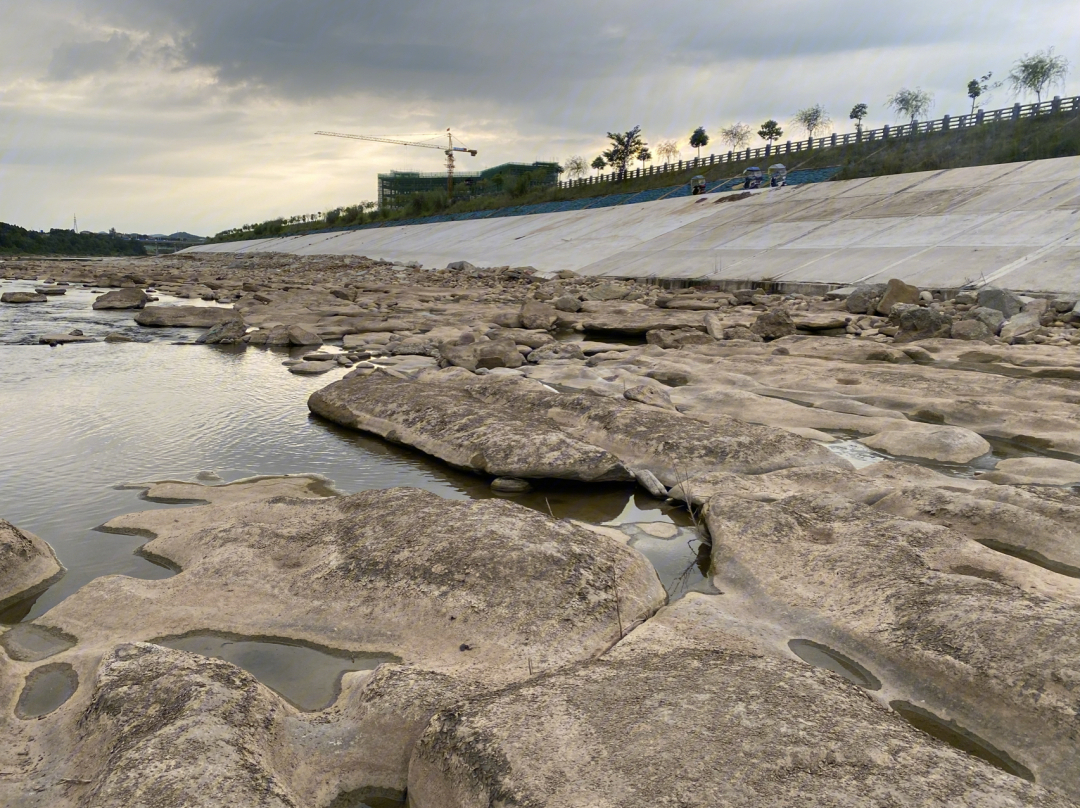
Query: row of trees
(1034,74)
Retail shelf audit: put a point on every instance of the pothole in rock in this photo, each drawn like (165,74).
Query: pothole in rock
(307,676)
(46,689)
(27,642)
(822,656)
(953,734)
(1032,557)
(681,561)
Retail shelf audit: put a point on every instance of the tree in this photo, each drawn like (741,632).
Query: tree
(599,163)
(812,119)
(1037,73)
(912,104)
(737,135)
(770,131)
(644,155)
(980,86)
(576,167)
(698,139)
(667,150)
(624,148)
(858,112)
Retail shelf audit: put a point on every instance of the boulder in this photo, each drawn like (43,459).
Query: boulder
(991,318)
(683,712)
(27,564)
(64,339)
(568,303)
(1034,471)
(946,444)
(278,335)
(51,291)
(773,324)
(1002,300)
(185,316)
(510,485)
(313,368)
(1020,325)
(537,315)
(131,298)
(22,297)
(300,336)
(740,332)
(863,299)
(230,332)
(917,323)
(744,297)
(970,330)
(607,291)
(966,633)
(461,266)
(556,351)
(896,291)
(677,338)
(116,336)
(496,353)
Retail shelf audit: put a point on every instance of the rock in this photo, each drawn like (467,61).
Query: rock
(863,299)
(607,291)
(312,368)
(682,712)
(461,266)
(946,444)
(27,564)
(185,316)
(132,298)
(496,353)
(1034,471)
(517,428)
(1020,325)
(1000,299)
(556,351)
(116,336)
(917,323)
(773,324)
(230,332)
(568,303)
(50,291)
(740,332)
(1063,304)
(819,321)
(22,297)
(537,315)
(677,338)
(64,339)
(970,330)
(298,335)
(652,394)
(896,291)
(991,318)
(744,297)
(647,480)
(276,336)
(510,485)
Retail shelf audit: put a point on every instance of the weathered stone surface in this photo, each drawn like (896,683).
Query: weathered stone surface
(991,318)
(230,332)
(684,713)
(970,330)
(116,336)
(677,338)
(863,299)
(185,316)
(510,485)
(298,335)
(64,339)
(518,428)
(27,563)
(652,394)
(313,368)
(947,444)
(22,297)
(740,332)
(1019,325)
(568,303)
(556,351)
(773,324)
(969,633)
(496,353)
(607,291)
(277,336)
(917,323)
(1034,471)
(1000,299)
(132,298)
(896,291)
(535,314)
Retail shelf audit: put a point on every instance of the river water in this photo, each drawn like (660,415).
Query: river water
(79,421)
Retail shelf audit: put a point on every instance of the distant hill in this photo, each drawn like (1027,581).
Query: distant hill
(15,240)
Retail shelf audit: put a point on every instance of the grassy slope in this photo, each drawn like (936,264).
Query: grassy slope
(1006,142)
(16,240)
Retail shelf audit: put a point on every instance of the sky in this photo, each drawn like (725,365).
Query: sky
(155,116)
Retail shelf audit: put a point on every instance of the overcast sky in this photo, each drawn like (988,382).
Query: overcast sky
(198,115)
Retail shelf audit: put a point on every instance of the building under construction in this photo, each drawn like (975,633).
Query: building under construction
(397,185)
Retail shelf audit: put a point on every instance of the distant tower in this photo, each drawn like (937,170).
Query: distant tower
(76,218)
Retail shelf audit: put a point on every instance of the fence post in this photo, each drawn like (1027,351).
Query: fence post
(1016,111)
(885,132)
(768,148)
(1055,105)
(945,123)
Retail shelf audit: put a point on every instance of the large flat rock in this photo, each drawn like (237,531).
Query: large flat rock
(27,563)
(185,316)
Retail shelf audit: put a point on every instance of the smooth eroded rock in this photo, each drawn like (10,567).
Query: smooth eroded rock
(27,563)
(185,316)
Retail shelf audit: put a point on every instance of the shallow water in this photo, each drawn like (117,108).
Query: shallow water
(307,676)
(46,689)
(821,656)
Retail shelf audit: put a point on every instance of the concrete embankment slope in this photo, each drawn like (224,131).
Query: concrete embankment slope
(1014,225)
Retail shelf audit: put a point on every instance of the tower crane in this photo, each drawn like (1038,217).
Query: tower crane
(449,151)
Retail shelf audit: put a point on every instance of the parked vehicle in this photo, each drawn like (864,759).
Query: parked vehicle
(752,178)
(697,185)
(777,175)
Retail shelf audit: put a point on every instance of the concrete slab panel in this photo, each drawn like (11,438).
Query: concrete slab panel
(771,235)
(970,177)
(921,231)
(1034,228)
(952,266)
(916,203)
(889,184)
(842,233)
(831,208)
(1047,170)
(1056,271)
(851,265)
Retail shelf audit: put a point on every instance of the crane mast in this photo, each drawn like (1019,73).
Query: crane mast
(449,150)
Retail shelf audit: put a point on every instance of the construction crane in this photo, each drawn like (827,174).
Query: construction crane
(449,151)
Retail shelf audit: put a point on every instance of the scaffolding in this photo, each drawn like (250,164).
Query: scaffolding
(395,186)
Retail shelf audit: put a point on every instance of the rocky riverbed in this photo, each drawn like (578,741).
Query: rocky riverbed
(885,474)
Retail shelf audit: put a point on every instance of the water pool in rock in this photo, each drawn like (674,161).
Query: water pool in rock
(308,676)
(822,656)
(46,688)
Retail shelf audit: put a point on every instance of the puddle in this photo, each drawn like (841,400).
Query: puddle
(822,656)
(681,562)
(308,677)
(861,456)
(369,797)
(1032,557)
(858,454)
(46,688)
(27,642)
(953,734)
